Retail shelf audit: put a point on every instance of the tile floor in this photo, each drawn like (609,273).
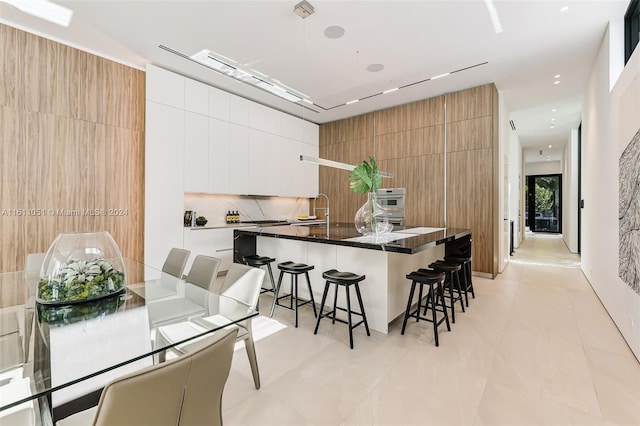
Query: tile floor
(535,347)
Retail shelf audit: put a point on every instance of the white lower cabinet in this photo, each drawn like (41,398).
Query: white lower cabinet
(215,242)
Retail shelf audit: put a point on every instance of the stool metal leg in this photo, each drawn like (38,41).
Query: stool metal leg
(335,303)
(273,283)
(324,298)
(444,305)
(276,293)
(349,316)
(433,312)
(470,275)
(295,295)
(313,302)
(456,278)
(407,312)
(364,316)
(449,280)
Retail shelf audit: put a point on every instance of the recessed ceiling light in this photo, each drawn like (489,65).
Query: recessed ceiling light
(554,110)
(375,67)
(556,76)
(553,119)
(550,146)
(390,90)
(556,82)
(552,126)
(564,8)
(352,102)
(334,31)
(44,9)
(307,101)
(493,14)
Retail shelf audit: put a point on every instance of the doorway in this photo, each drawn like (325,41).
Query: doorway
(544,203)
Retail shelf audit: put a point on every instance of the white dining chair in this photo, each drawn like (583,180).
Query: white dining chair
(204,271)
(186,391)
(242,284)
(175,262)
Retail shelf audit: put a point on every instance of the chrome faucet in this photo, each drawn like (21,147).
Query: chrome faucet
(325,209)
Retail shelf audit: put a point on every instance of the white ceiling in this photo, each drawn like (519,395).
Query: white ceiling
(414,40)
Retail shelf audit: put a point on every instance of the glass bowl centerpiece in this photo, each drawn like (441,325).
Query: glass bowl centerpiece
(371,218)
(81,267)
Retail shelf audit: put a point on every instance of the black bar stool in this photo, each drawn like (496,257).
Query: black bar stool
(435,298)
(258,261)
(452,281)
(346,280)
(294,269)
(466,272)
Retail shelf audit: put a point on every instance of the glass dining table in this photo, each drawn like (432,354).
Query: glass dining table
(55,360)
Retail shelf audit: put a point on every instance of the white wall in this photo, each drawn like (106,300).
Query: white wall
(570,193)
(503,179)
(608,118)
(543,168)
(515,185)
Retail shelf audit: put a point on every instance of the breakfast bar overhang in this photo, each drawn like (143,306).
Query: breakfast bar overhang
(385,260)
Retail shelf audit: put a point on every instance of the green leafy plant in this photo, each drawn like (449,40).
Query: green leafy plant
(201,218)
(81,280)
(365,177)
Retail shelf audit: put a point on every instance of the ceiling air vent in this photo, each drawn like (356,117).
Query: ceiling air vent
(512,124)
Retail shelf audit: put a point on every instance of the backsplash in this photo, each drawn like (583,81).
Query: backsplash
(215,207)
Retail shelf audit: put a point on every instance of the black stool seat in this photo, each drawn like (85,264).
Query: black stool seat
(452,282)
(435,298)
(258,261)
(346,280)
(338,277)
(466,274)
(294,269)
(426,276)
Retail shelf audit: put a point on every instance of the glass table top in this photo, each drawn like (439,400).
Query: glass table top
(63,352)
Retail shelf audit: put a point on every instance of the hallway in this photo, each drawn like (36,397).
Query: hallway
(535,347)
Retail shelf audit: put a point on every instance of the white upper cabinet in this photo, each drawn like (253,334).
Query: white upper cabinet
(257,116)
(219,103)
(238,110)
(310,133)
(165,87)
(273,163)
(232,145)
(196,97)
(273,121)
(196,152)
(257,162)
(238,159)
(219,147)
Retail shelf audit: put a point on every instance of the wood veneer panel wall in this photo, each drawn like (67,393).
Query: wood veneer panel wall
(410,143)
(472,170)
(72,129)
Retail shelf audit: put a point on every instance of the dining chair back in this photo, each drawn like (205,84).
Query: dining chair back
(189,387)
(204,271)
(175,262)
(244,283)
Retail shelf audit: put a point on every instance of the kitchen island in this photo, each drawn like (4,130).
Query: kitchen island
(385,261)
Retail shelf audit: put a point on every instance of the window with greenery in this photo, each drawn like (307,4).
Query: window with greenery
(631,29)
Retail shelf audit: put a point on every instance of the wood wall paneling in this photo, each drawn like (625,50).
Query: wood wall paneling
(470,103)
(409,142)
(474,133)
(72,128)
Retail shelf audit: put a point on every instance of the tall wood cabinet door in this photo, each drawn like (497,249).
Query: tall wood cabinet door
(164,195)
(257,162)
(219,146)
(238,159)
(196,152)
(273,165)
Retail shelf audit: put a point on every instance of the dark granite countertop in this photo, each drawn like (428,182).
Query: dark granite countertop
(409,240)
